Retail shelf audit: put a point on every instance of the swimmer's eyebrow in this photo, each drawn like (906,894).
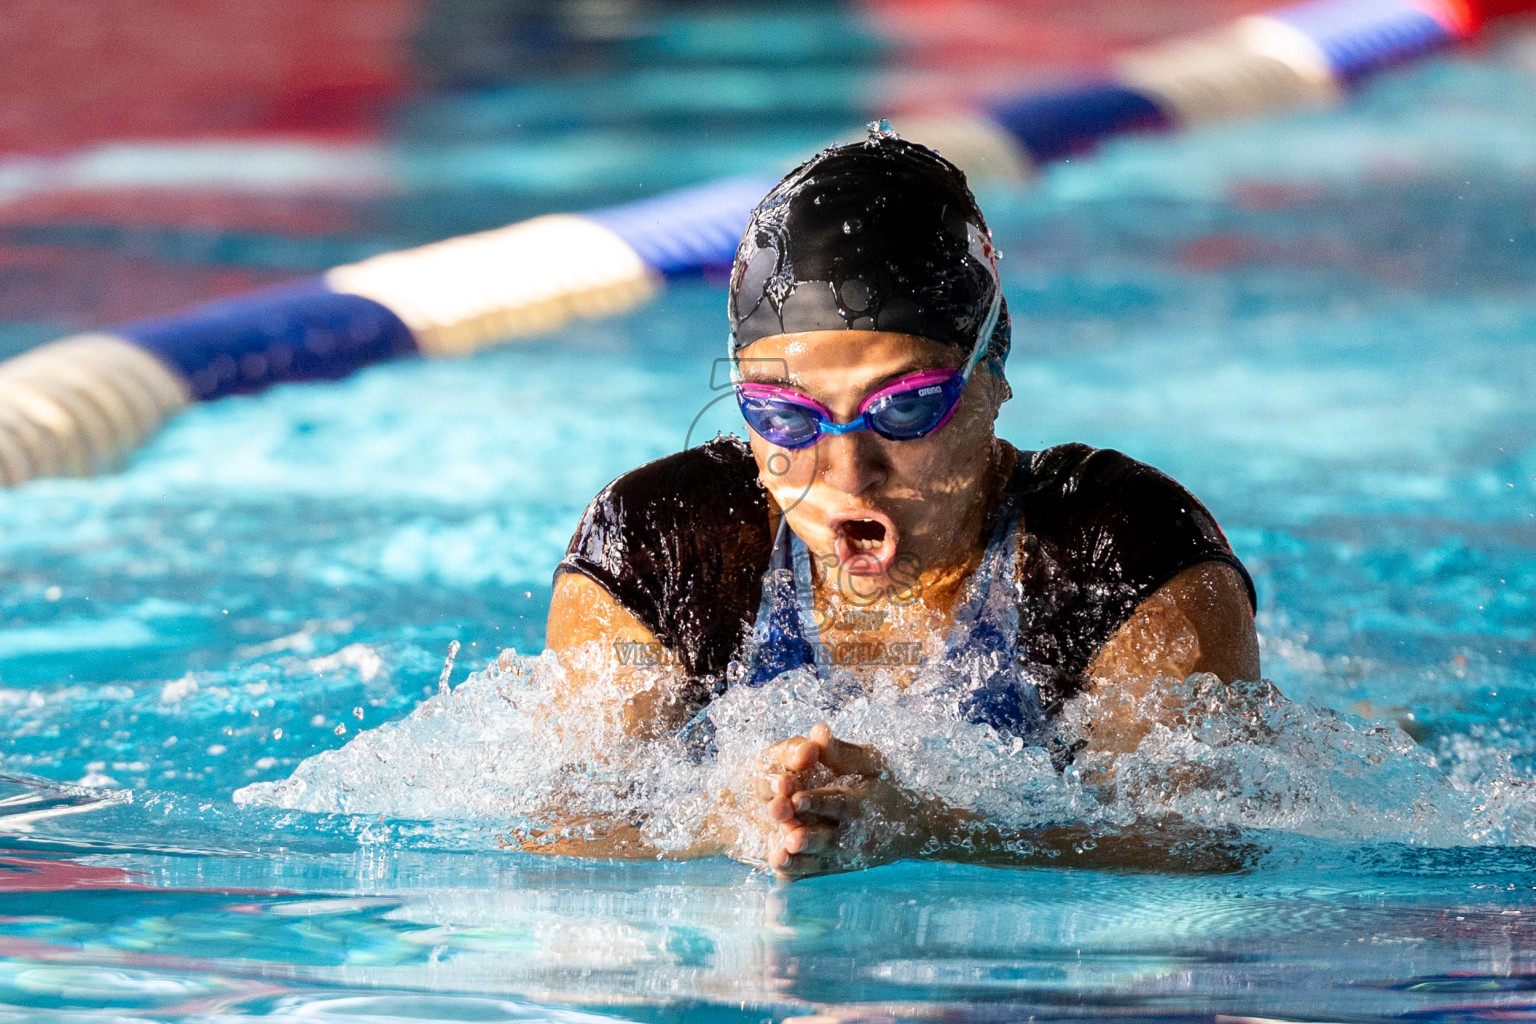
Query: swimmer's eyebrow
(780,381)
(915,366)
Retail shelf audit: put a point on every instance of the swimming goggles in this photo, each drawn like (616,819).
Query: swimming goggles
(913,406)
(909,408)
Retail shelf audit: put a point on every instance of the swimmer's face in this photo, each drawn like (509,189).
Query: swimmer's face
(877,508)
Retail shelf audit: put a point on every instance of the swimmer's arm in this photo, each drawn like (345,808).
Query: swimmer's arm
(1163,845)
(589,629)
(1199,621)
(586,627)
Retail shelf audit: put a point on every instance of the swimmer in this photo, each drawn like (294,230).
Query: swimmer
(874,522)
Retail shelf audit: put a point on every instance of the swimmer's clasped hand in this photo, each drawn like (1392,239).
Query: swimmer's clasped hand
(837,808)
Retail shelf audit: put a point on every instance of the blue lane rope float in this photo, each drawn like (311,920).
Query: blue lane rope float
(690,230)
(1357,37)
(1056,125)
(300,331)
(83,404)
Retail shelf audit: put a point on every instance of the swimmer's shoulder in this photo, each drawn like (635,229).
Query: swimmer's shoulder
(1117,519)
(681,543)
(1074,469)
(716,478)
(1101,533)
(1074,481)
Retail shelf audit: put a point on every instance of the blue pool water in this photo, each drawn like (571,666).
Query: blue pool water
(1324,326)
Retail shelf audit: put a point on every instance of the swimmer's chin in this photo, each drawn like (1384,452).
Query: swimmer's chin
(867,542)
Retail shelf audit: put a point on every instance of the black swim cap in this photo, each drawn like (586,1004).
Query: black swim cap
(880,235)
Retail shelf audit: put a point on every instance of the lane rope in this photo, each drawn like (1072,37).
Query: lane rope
(83,404)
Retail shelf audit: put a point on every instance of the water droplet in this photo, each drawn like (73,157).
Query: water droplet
(442,679)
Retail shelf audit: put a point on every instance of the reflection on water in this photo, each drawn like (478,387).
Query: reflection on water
(422,933)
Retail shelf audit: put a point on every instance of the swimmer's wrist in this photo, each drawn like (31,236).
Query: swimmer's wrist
(943,829)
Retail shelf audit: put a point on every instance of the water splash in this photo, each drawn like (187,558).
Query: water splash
(447,672)
(517,744)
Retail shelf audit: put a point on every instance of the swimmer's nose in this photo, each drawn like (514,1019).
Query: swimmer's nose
(852,463)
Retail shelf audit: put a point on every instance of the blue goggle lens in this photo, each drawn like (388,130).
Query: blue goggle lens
(908,415)
(779,422)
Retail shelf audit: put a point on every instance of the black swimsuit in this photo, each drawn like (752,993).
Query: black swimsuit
(683,543)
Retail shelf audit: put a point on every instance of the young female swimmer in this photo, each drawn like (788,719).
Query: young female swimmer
(875,510)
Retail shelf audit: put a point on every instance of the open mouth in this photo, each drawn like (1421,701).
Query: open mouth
(866,542)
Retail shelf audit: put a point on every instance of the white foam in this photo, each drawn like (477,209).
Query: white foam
(512,745)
